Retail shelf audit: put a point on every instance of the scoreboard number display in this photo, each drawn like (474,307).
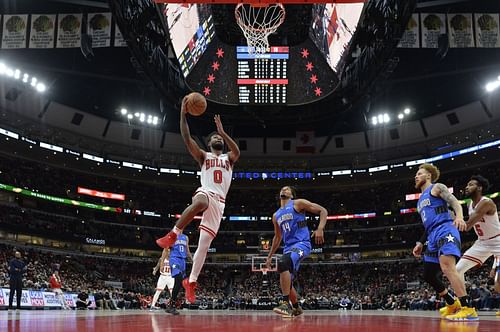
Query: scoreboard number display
(262,78)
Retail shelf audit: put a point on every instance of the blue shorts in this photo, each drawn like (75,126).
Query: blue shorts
(177,265)
(298,251)
(443,240)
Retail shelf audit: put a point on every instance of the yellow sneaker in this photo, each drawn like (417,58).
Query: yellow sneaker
(450,309)
(464,314)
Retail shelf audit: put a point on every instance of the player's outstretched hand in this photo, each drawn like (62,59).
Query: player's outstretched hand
(417,251)
(218,124)
(154,271)
(318,236)
(460,224)
(184,108)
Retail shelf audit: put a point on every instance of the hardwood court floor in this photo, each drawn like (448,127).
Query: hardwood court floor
(237,321)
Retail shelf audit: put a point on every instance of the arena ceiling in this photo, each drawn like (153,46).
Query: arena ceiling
(421,79)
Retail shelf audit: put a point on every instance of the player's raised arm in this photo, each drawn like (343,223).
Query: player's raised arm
(302,205)
(484,207)
(276,242)
(193,148)
(440,190)
(234,150)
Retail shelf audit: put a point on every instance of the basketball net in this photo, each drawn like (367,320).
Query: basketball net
(257,22)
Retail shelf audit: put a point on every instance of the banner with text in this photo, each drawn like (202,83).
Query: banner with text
(101,194)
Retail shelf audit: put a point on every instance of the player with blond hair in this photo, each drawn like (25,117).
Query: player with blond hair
(216,175)
(443,248)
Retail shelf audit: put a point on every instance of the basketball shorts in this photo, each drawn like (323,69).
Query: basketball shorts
(443,240)
(298,252)
(212,216)
(177,265)
(480,251)
(165,281)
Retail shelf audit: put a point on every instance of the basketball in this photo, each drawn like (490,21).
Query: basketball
(196,104)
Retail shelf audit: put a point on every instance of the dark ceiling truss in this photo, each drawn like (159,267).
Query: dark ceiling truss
(144,30)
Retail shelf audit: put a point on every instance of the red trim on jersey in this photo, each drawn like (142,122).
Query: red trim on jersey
(208,230)
(493,237)
(474,259)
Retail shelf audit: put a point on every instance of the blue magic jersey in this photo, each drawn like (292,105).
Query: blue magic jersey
(433,210)
(179,249)
(293,225)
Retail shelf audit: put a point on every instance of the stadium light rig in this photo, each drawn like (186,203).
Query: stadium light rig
(15,74)
(150,119)
(493,85)
(385,118)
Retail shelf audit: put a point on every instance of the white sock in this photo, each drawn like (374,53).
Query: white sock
(177,230)
(200,255)
(155,298)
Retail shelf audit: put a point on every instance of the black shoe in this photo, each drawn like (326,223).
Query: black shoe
(172,311)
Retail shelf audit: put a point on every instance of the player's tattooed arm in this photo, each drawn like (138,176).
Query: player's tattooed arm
(483,208)
(440,190)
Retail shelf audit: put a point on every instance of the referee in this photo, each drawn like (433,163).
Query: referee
(16,270)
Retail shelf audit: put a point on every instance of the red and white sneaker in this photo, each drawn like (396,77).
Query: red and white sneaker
(168,240)
(189,287)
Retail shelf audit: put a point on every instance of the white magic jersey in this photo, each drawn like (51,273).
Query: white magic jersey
(488,227)
(216,174)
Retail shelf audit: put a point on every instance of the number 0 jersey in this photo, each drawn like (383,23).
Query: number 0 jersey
(216,174)
(293,225)
(488,227)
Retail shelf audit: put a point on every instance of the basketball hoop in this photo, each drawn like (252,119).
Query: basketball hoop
(258,21)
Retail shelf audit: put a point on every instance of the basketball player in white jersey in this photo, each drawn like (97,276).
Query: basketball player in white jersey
(165,279)
(483,217)
(216,175)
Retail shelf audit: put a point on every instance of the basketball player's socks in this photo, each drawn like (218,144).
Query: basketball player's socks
(448,298)
(177,230)
(285,298)
(464,301)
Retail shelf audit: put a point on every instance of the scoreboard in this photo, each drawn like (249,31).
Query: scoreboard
(262,78)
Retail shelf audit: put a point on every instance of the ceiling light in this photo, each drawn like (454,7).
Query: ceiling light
(3,68)
(40,87)
(489,87)
(407,111)
(130,116)
(150,121)
(25,78)
(123,111)
(17,74)
(400,116)
(386,118)
(33,81)
(9,72)
(136,114)
(374,121)
(380,118)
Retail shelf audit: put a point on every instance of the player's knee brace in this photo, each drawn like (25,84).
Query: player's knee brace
(432,274)
(285,264)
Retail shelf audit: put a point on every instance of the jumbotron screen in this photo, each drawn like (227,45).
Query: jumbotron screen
(191,29)
(262,78)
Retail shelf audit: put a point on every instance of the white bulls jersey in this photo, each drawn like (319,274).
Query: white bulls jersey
(488,227)
(165,271)
(216,174)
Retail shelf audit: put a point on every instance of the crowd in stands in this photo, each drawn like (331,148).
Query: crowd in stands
(385,286)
